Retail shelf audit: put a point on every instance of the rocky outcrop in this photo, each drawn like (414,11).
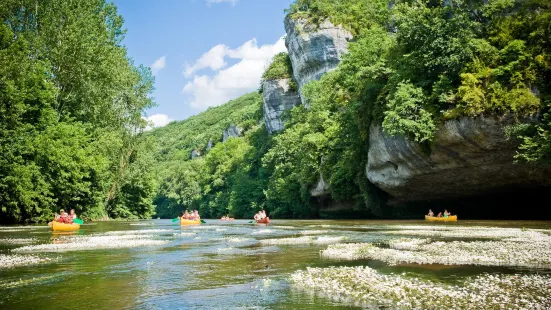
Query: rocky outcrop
(232,131)
(195,154)
(278,98)
(469,157)
(321,189)
(209,145)
(314,49)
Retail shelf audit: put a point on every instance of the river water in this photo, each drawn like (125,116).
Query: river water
(160,265)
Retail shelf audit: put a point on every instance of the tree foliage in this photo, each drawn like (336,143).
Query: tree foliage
(71,104)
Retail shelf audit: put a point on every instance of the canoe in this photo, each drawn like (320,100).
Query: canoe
(189,222)
(57,226)
(452,218)
(264,221)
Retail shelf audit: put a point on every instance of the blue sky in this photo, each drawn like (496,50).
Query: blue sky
(202,52)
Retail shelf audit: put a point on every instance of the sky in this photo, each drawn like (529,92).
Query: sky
(203,53)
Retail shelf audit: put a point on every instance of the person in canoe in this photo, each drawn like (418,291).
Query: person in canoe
(439,214)
(73,214)
(185,216)
(196,215)
(431,213)
(64,217)
(446,213)
(257,216)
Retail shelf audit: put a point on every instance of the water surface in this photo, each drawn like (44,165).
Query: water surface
(215,265)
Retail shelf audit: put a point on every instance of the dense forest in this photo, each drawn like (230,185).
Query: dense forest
(72,102)
(71,106)
(411,66)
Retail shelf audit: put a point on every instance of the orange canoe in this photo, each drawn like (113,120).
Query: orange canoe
(264,221)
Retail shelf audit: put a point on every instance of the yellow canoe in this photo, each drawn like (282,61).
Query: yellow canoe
(189,222)
(57,226)
(452,218)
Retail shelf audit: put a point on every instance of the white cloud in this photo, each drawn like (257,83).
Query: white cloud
(213,59)
(157,120)
(228,82)
(158,65)
(232,2)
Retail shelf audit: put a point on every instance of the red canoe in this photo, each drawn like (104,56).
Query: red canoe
(264,221)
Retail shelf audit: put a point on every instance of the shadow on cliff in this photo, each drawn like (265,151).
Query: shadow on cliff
(512,203)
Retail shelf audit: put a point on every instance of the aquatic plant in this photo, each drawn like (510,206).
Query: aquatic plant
(488,253)
(303,240)
(10,261)
(407,244)
(17,240)
(375,290)
(92,243)
(141,231)
(313,232)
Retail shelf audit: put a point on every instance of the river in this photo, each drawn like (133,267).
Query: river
(315,264)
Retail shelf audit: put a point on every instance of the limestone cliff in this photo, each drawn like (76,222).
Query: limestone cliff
(278,98)
(232,131)
(469,157)
(314,49)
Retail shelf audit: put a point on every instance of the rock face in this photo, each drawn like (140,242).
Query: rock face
(278,97)
(209,145)
(321,189)
(470,156)
(195,154)
(314,50)
(232,131)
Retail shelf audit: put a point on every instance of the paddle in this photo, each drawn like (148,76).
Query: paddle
(251,222)
(78,221)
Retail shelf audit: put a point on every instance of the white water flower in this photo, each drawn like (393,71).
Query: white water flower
(91,243)
(20,228)
(263,232)
(10,261)
(471,232)
(313,232)
(488,253)
(407,244)
(304,240)
(137,232)
(329,240)
(241,251)
(283,241)
(374,290)
(17,240)
(185,234)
